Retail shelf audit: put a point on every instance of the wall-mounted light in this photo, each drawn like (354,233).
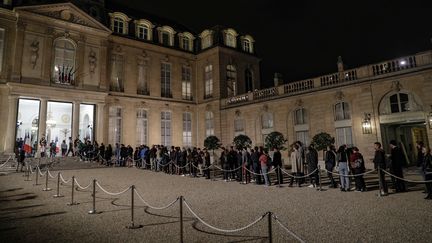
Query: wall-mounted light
(366,124)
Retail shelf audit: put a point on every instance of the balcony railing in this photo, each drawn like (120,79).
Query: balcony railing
(396,66)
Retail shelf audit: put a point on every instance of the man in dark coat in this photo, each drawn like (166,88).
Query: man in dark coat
(397,162)
(256,165)
(380,162)
(277,163)
(312,164)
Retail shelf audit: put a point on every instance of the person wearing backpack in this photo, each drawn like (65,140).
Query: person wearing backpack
(357,163)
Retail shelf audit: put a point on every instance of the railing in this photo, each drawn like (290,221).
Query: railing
(265,93)
(336,79)
(298,86)
(394,65)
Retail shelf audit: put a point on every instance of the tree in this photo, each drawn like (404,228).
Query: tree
(242,141)
(212,143)
(275,140)
(322,141)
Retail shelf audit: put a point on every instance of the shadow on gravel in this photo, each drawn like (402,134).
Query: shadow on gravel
(16,195)
(43,215)
(30,197)
(7,229)
(146,210)
(12,189)
(22,207)
(247,237)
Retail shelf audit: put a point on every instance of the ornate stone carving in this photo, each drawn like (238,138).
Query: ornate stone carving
(143,59)
(92,61)
(396,86)
(238,113)
(299,102)
(339,95)
(265,108)
(34,53)
(165,59)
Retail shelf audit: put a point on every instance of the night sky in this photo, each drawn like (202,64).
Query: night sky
(303,40)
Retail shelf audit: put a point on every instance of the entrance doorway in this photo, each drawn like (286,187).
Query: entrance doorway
(407,134)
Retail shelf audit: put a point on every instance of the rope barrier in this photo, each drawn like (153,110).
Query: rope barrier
(7,161)
(287,230)
(153,207)
(223,230)
(82,188)
(112,193)
(63,180)
(49,174)
(181,167)
(400,178)
(228,170)
(31,170)
(365,173)
(298,177)
(40,172)
(261,174)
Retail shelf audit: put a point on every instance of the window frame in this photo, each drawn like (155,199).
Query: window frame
(208,81)
(55,73)
(343,112)
(209,123)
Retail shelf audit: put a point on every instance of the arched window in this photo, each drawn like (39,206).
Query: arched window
(119,23)
(342,111)
(267,120)
(399,103)
(206,39)
(186,41)
(249,80)
(166,35)
(300,116)
(231,73)
(64,61)
(209,123)
(143,29)
(231,38)
(247,43)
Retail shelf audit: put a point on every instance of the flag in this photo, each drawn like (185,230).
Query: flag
(27,143)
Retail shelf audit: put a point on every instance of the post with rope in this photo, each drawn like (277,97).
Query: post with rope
(181,219)
(380,186)
(27,173)
(93,211)
(270,235)
(133,226)
(72,195)
(319,178)
(278,172)
(214,172)
(58,186)
(46,181)
(36,177)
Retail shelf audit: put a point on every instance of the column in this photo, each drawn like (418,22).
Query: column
(75,119)
(11,124)
(42,118)
(18,52)
(100,124)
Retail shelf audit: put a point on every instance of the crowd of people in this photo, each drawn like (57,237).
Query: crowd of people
(252,165)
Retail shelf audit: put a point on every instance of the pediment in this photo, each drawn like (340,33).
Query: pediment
(67,12)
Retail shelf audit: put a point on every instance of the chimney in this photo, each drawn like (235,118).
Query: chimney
(340,64)
(277,79)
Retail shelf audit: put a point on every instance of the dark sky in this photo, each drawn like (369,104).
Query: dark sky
(303,40)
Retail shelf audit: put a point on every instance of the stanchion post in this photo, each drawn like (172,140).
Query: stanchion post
(27,173)
(319,178)
(58,186)
(214,172)
(278,172)
(93,211)
(270,235)
(133,226)
(72,195)
(36,176)
(181,219)
(46,182)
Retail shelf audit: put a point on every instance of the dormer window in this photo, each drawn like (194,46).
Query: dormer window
(247,43)
(119,23)
(143,29)
(186,40)
(231,38)
(206,39)
(166,35)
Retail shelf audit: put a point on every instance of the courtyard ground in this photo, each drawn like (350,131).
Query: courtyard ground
(28,214)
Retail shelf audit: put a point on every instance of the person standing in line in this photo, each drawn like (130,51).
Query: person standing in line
(256,165)
(330,163)
(277,163)
(206,164)
(264,167)
(224,163)
(427,170)
(70,148)
(296,165)
(380,162)
(312,162)
(357,163)
(101,153)
(108,155)
(246,162)
(63,147)
(420,159)
(397,162)
(342,163)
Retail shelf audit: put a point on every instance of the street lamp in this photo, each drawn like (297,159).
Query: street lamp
(366,124)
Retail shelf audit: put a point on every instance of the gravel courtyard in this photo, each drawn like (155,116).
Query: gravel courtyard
(28,214)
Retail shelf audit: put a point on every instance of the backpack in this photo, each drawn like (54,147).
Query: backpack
(357,163)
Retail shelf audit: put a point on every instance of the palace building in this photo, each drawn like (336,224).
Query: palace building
(84,69)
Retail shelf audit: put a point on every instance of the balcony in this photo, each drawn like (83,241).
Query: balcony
(365,73)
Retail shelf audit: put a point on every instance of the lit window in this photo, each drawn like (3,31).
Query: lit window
(166,128)
(206,39)
(186,83)
(116,73)
(115,125)
(64,61)
(303,136)
(166,80)
(186,43)
(208,76)
(247,45)
(342,111)
(119,25)
(187,129)
(344,136)
(231,73)
(300,116)
(143,32)
(238,125)
(267,120)
(141,127)
(166,35)
(209,123)
(142,80)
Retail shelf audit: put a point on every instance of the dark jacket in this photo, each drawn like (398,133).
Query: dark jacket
(330,160)
(397,159)
(277,159)
(379,159)
(312,160)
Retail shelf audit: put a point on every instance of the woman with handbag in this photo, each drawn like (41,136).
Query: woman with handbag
(427,170)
